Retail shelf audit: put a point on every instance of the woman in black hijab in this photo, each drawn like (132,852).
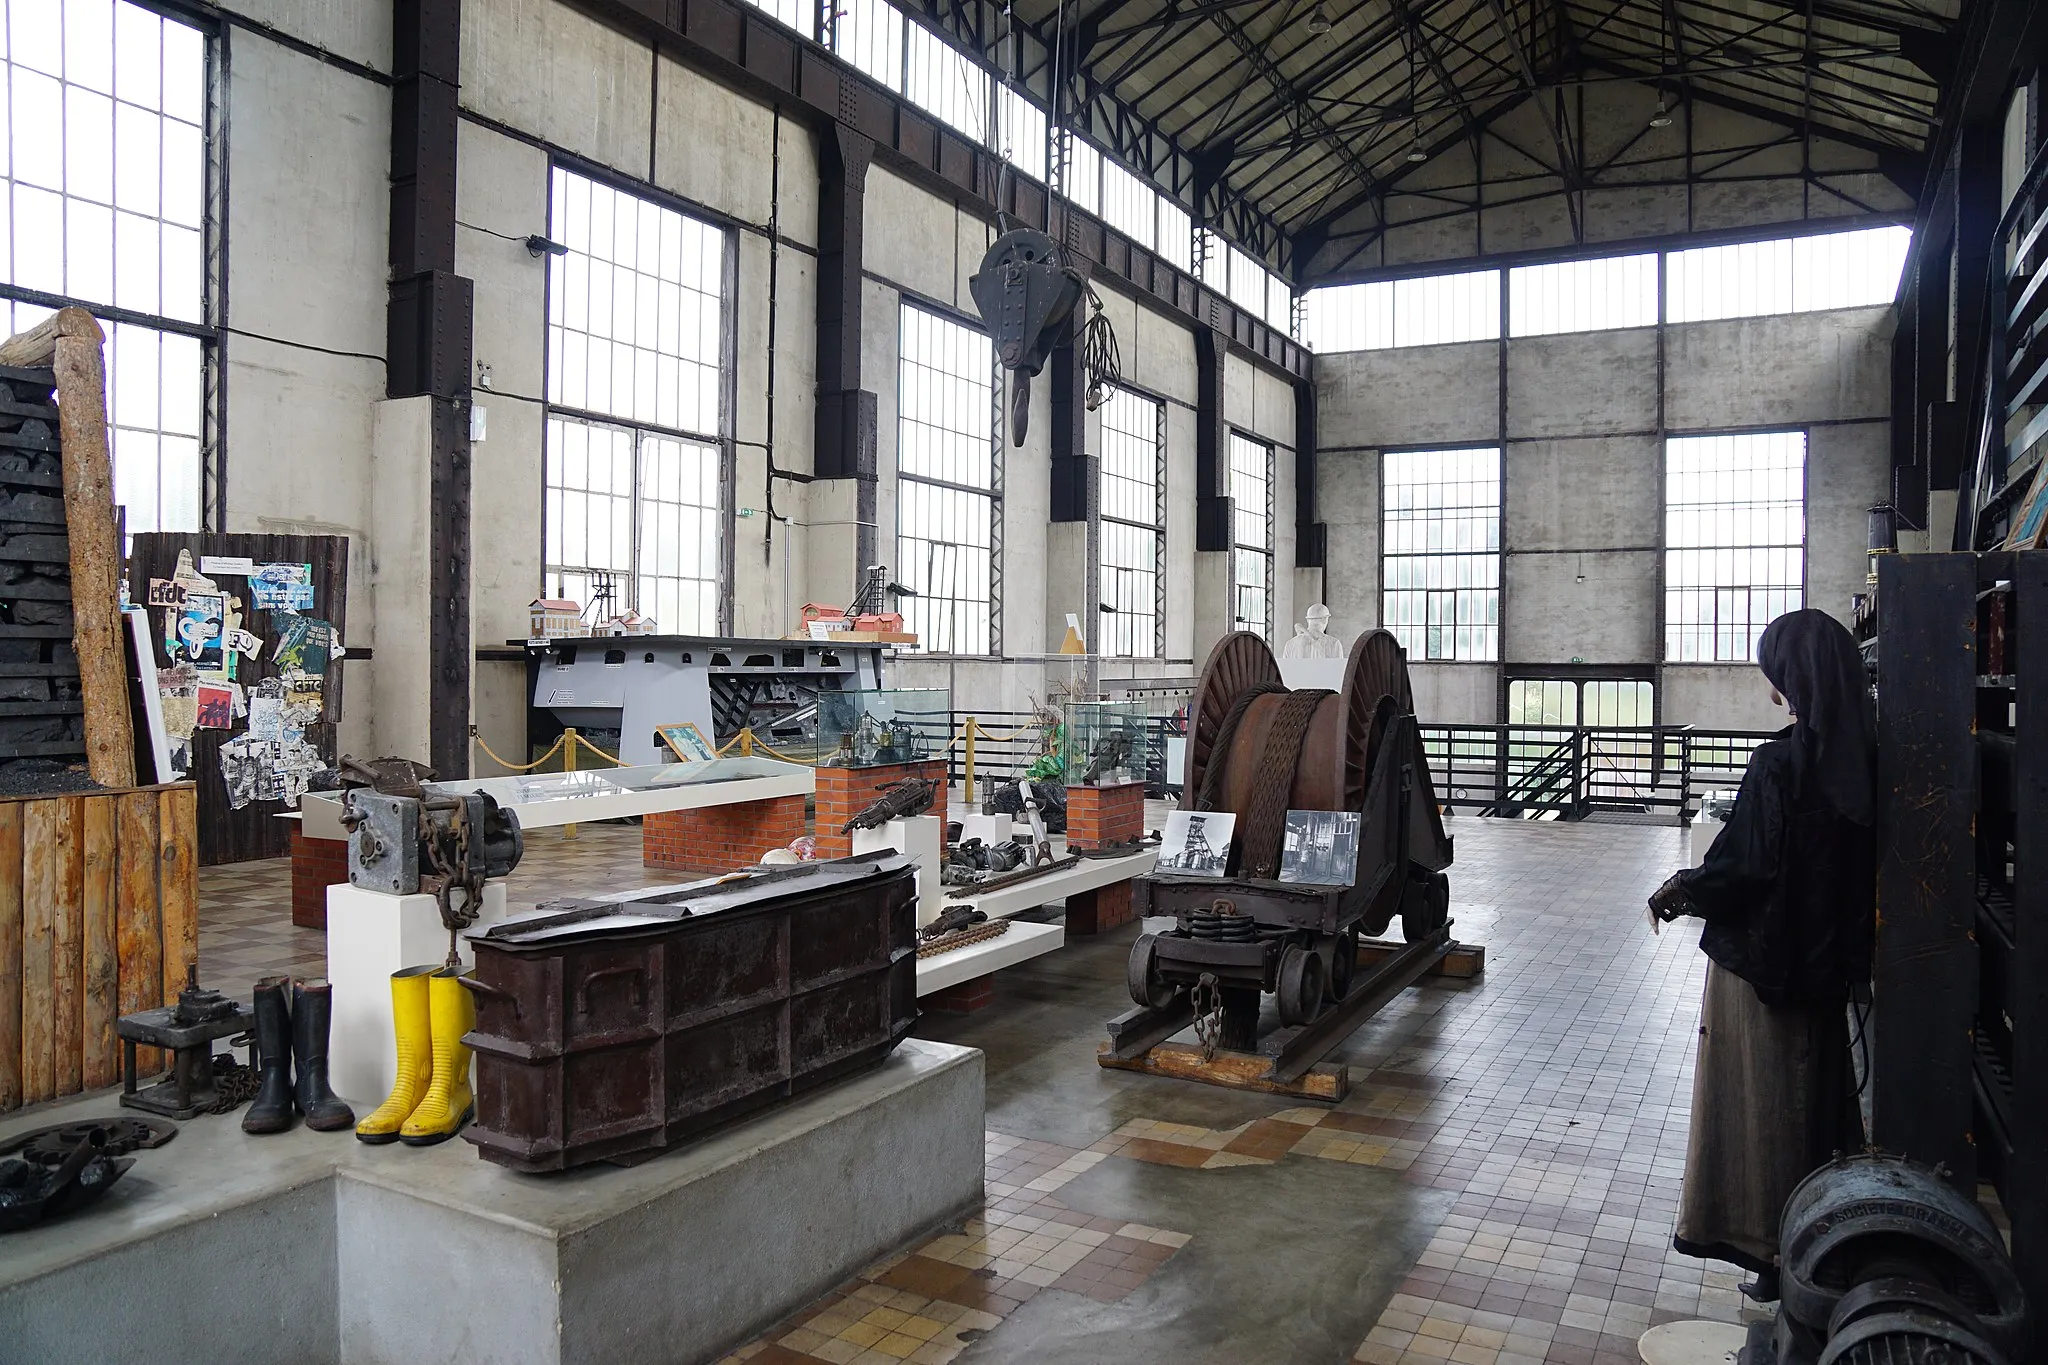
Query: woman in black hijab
(1788,893)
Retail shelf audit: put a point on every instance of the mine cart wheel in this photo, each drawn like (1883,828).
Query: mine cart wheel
(1301,985)
(1343,963)
(1426,906)
(1141,974)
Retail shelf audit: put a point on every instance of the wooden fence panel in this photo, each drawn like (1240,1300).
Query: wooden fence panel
(10,955)
(100,966)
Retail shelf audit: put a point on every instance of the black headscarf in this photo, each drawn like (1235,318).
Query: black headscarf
(1815,665)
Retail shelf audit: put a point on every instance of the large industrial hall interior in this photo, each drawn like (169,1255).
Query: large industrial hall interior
(1059,682)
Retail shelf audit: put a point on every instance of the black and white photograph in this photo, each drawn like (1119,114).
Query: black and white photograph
(1196,842)
(1321,847)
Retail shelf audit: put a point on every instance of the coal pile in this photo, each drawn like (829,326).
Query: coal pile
(42,711)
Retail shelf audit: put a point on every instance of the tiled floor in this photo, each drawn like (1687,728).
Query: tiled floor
(1538,1115)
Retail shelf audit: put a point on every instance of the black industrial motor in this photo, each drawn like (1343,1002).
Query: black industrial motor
(1883,1263)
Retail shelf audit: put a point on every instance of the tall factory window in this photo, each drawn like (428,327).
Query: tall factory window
(1133,522)
(945,481)
(1251,492)
(1020,132)
(947,82)
(1426,311)
(869,34)
(1734,542)
(801,15)
(1583,296)
(1129,205)
(106,184)
(1176,235)
(1082,182)
(636,340)
(1790,275)
(1440,556)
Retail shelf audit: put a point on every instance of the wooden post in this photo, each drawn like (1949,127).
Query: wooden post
(67,931)
(178,883)
(95,548)
(10,955)
(101,964)
(569,766)
(39,889)
(139,915)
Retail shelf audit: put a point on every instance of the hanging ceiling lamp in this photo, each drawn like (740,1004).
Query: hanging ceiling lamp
(1318,21)
(1662,118)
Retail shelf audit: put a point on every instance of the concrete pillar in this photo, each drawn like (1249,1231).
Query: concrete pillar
(401,684)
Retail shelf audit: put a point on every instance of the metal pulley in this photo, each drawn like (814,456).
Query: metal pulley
(1026,297)
(1884,1263)
(446,844)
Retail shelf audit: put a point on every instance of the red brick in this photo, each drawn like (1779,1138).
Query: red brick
(1105,815)
(720,838)
(1098,911)
(316,865)
(843,792)
(965,998)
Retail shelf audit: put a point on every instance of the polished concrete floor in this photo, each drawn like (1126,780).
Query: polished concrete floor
(1498,1189)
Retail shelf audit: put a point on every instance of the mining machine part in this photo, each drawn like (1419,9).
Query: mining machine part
(1258,750)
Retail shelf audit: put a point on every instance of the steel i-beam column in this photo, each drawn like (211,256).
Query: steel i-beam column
(846,435)
(429,340)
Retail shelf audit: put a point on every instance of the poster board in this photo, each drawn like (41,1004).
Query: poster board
(234,662)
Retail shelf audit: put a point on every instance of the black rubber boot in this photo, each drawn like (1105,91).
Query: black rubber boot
(272,1110)
(312,1012)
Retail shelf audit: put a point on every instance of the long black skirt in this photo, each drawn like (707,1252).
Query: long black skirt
(1773,1098)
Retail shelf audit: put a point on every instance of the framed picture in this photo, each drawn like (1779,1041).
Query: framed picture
(2031,520)
(686,742)
(1196,842)
(1320,847)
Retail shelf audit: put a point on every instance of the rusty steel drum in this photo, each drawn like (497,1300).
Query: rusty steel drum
(1258,750)
(1248,734)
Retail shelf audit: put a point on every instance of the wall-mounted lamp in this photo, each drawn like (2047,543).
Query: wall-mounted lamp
(537,245)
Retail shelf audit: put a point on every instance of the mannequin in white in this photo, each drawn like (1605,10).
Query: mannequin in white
(1314,640)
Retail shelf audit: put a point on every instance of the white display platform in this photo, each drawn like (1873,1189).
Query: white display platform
(1021,943)
(990,829)
(1088,875)
(549,800)
(369,936)
(920,838)
(1701,837)
(320,1250)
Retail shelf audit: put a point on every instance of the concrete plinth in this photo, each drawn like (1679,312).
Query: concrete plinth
(369,936)
(312,1247)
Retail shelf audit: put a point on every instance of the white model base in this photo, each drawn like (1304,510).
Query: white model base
(920,838)
(990,829)
(1020,943)
(1089,874)
(370,935)
(1702,836)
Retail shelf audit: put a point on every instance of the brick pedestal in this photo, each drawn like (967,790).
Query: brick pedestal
(1098,816)
(965,998)
(719,838)
(1093,912)
(1105,815)
(316,865)
(844,792)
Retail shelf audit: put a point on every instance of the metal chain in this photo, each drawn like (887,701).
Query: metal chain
(1209,1017)
(234,1084)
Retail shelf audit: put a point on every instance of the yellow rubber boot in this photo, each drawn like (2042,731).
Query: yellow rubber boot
(409,1016)
(448,1103)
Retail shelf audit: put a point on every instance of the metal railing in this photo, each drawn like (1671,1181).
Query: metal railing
(1570,772)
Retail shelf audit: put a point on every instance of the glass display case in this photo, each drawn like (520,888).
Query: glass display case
(1106,742)
(901,725)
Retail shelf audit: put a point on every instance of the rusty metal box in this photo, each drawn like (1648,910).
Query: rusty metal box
(611,1030)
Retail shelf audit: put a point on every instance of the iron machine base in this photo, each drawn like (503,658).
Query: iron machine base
(1263,752)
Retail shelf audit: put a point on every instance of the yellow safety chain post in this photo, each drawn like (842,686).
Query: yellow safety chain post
(569,742)
(967,762)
